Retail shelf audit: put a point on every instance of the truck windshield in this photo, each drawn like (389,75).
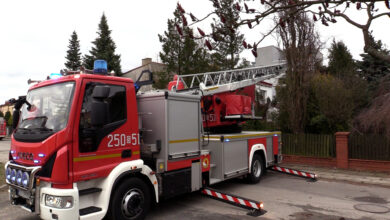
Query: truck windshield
(49,108)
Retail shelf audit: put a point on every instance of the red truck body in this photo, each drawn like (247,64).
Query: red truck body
(3,128)
(87,146)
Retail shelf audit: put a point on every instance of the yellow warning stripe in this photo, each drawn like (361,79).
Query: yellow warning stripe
(79,159)
(183,141)
(244,135)
(136,152)
(213,88)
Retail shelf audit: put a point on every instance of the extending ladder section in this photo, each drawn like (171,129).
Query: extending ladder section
(229,80)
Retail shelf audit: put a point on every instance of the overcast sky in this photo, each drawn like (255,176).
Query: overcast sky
(35,34)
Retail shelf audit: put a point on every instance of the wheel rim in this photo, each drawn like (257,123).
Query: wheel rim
(132,203)
(256,168)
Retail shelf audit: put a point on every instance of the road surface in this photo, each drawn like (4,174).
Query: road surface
(285,197)
(5,145)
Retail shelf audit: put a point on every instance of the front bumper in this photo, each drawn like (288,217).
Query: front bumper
(47,212)
(32,198)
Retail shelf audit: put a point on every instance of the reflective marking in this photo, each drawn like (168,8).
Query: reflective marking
(213,88)
(253,205)
(79,159)
(244,135)
(241,201)
(183,141)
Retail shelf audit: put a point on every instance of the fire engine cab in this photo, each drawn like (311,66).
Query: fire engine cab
(86,146)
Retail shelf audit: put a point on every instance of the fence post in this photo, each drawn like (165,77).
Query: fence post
(342,149)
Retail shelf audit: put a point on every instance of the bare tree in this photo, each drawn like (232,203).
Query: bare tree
(376,118)
(301,48)
(324,11)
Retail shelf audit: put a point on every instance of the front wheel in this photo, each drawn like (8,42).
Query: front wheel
(130,201)
(257,169)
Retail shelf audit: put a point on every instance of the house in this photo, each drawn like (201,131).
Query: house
(147,64)
(267,56)
(7,107)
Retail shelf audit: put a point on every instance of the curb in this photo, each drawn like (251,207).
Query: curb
(354,182)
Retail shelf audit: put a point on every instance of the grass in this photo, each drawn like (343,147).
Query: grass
(2,176)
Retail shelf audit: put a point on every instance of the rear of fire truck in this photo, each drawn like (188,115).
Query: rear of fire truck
(3,128)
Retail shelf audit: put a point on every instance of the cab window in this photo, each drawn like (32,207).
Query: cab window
(90,136)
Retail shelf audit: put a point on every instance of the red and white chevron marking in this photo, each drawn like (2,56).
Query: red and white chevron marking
(295,172)
(233,199)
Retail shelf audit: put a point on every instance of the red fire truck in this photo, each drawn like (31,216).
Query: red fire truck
(88,146)
(3,128)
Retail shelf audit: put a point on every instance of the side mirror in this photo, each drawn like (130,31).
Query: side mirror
(15,119)
(99,107)
(101,92)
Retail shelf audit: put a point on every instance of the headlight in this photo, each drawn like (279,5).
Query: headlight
(25,179)
(19,175)
(8,174)
(13,176)
(59,202)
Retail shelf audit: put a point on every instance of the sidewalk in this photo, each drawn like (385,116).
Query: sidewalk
(351,176)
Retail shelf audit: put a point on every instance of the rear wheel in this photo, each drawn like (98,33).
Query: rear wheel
(130,201)
(257,169)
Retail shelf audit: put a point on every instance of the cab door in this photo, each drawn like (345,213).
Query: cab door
(100,147)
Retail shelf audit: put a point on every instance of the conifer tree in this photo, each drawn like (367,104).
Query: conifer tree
(73,55)
(180,51)
(104,48)
(229,41)
(373,69)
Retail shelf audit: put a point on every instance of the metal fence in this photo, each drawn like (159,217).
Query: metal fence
(316,145)
(369,147)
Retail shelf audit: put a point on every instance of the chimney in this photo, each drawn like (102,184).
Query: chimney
(146,61)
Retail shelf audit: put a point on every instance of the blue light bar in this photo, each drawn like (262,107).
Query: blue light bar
(55,75)
(100,67)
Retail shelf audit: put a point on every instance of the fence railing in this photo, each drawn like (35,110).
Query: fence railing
(369,147)
(316,145)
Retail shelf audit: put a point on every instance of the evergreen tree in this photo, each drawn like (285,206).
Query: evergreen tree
(73,56)
(341,63)
(343,66)
(7,117)
(180,52)
(373,69)
(104,48)
(229,41)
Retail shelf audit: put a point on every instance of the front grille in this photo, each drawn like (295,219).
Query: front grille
(19,176)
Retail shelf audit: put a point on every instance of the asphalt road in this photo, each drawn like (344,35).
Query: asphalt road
(285,197)
(5,145)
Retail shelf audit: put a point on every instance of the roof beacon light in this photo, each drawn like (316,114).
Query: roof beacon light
(55,75)
(100,67)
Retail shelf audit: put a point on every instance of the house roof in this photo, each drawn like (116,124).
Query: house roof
(155,63)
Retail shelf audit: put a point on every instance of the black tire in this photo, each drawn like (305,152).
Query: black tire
(256,173)
(137,204)
(1,138)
